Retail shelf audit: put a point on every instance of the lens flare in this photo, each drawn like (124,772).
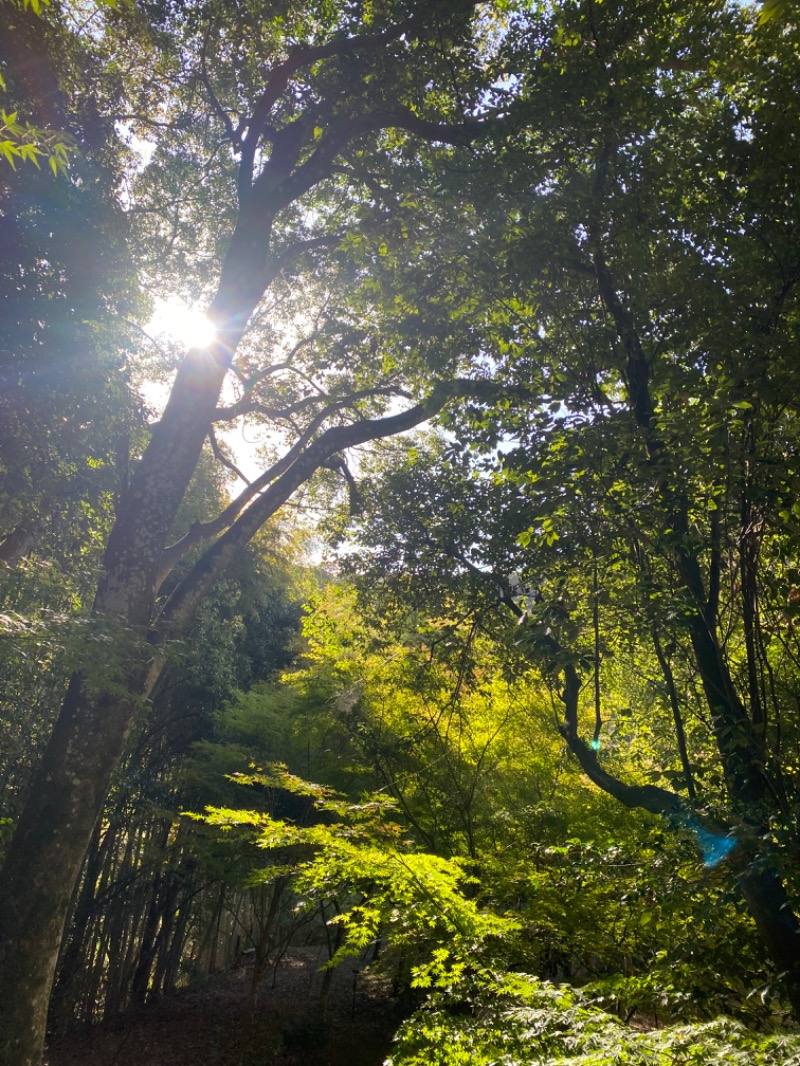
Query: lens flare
(714,847)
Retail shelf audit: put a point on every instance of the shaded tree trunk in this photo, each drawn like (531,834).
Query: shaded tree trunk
(46,853)
(739,735)
(280,161)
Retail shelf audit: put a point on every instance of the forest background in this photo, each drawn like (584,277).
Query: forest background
(532,728)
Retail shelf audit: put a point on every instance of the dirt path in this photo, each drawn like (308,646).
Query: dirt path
(211,1025)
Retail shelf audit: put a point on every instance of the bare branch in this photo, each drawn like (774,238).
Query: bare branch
(220,456)
(233,135)
(247,406)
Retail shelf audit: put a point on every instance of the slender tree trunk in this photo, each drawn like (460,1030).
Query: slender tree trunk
(739,736)
(63,1006)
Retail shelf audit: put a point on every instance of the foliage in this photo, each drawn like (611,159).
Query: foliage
(644,285)
(20,141)
(472,762)
(513,1018)
(70,422)
(384,888)
(589,209)
(181,902)
(26,143)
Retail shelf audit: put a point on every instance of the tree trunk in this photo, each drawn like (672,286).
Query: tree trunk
(46,853)
(739,736)
(277,166)
(69,790)
(777,924)
(57,822)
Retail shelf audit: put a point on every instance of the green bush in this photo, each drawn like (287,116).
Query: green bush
(518,1020)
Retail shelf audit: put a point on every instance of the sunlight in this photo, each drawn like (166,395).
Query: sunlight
(179,322)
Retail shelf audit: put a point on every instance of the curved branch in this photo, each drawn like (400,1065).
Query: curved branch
(201,531)
(222,458)
(647,797)
(321,162)
(188,595)
(338,464)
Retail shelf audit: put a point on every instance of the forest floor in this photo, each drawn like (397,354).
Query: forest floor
(211,1024)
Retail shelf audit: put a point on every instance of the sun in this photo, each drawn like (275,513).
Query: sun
(178,321)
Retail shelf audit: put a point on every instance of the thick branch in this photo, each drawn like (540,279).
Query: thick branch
(190,592)
(647,797)
(321,162)
(301,57)
(338,464)
(637,370)
(737,741)
(201,531)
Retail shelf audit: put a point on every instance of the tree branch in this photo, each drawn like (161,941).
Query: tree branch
(222,458)
(201,531)
(295,472)
(300,57)
(320,164)
(246,406)
(647,797)
(338,464)
(233,135)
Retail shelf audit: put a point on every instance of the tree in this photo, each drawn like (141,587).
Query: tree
(154,902)
(422,696)
(66,404)
(357,88)
(648,286)
(20,140)
(66,282)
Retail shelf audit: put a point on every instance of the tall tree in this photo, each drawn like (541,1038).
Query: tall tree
(66,404)
(648,285)
(286,103)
